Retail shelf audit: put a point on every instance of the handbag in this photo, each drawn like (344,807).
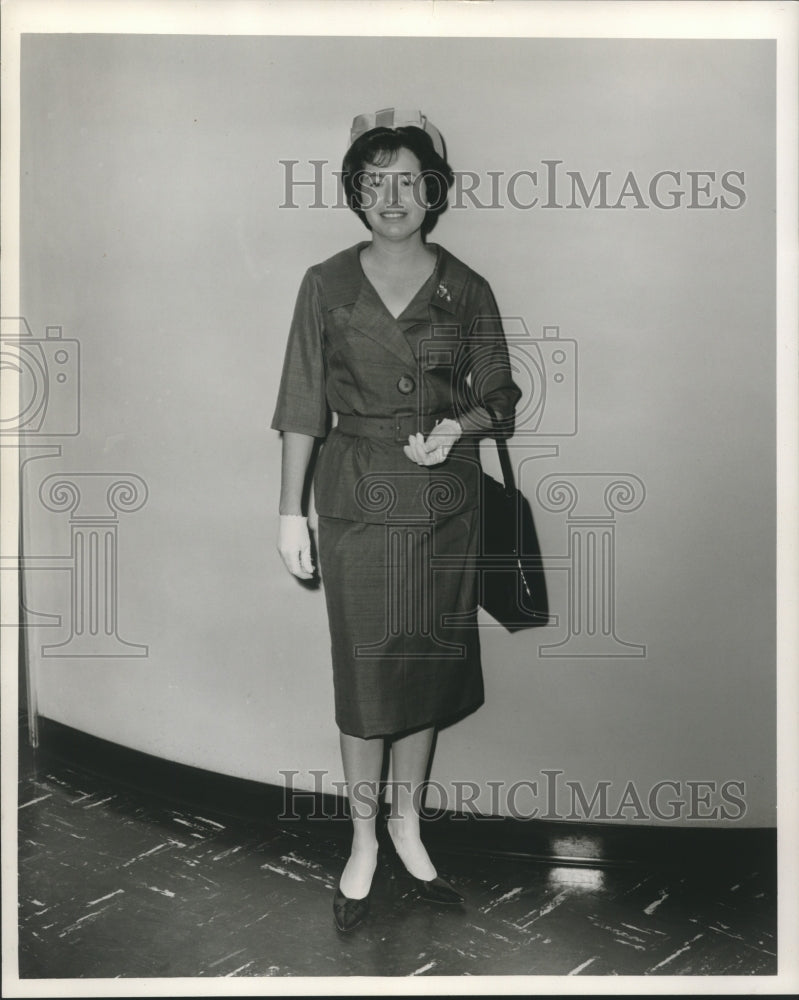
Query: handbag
(511,581)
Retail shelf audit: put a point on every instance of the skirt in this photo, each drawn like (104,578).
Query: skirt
(402,610)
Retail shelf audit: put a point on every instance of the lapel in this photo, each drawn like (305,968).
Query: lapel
(371,318)
(346,284)
(445,293)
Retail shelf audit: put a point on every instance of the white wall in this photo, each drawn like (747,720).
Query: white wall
(151,233)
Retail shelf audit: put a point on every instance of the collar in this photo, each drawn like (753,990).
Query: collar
(343,278)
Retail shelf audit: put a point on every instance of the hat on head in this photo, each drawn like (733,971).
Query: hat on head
(396,118)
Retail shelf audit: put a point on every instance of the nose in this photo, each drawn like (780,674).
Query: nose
(393,192)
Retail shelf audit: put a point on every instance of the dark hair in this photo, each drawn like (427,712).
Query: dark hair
(380,147)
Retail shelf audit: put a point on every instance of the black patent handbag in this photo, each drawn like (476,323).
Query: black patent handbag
(511,581)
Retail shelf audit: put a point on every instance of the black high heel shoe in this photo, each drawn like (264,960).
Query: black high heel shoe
(434,890)
(349,913)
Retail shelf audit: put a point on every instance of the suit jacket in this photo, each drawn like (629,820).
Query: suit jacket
(347,355)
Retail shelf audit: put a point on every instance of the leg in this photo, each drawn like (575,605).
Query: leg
(363,760)
(409,759)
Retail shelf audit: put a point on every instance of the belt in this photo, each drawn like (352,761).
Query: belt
(398,427)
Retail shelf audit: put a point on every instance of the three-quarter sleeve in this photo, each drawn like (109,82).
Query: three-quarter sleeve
(492,385)
(301,399)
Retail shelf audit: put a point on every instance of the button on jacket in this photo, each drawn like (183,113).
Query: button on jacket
(348,356)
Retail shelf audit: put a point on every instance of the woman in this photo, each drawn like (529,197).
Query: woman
(402,344)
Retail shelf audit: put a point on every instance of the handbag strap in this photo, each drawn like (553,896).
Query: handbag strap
(504,455)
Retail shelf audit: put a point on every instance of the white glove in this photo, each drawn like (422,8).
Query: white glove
(438,445)
(294,545)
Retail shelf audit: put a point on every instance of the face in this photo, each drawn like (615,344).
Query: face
(393,196)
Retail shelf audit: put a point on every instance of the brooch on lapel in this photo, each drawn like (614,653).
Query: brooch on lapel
(443,292)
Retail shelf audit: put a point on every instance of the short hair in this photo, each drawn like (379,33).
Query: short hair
(380,147)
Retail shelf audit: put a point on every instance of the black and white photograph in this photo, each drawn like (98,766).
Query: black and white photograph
(399,479)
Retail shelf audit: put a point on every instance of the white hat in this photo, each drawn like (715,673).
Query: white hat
(396,118)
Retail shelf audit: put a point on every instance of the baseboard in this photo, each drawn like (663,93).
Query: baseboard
(562,842)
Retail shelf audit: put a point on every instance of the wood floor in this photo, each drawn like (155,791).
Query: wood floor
(114,882)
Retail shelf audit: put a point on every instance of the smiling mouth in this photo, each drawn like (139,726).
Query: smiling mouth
(394,214)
